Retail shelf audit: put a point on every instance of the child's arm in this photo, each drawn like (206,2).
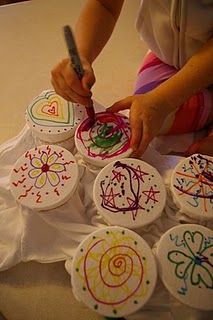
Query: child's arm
(95,26)
(148,111)
(93,29)
(195,75)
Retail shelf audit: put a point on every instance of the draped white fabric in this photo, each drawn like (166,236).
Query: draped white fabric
(54,235)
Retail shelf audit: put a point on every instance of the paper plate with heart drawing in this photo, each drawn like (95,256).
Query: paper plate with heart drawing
(52,118)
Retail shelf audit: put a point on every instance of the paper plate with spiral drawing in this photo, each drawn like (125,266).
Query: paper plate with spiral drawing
(114,272)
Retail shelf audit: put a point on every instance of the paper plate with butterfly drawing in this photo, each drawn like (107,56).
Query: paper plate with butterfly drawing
(44,177)
(107,139)
(129,192)
(185,258)
(52,118)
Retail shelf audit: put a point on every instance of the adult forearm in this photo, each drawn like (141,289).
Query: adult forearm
(95,25)
(196,74)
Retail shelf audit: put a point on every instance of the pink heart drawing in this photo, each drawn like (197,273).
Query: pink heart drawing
(51,109)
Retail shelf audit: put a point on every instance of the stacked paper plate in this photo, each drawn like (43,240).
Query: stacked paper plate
(114,272)
(53,119)
(185,260)
(105,140)
(130,193)
(192,186)
(44,177)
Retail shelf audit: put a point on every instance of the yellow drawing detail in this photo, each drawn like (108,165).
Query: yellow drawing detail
(112,270)
(51,109)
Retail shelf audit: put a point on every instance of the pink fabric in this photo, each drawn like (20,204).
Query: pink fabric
(193,114)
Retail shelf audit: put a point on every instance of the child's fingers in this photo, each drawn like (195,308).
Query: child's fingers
(71,79)
(67,93)
(140,132)
(136,130)
(60,88)
(120,105)
(88,79)
(144,142)
(65,83)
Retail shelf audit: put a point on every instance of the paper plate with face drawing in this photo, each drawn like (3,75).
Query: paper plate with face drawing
(107,139)
(52,118)
(192,186)
(185,259)
(113,272)
(44,177)
(129,192)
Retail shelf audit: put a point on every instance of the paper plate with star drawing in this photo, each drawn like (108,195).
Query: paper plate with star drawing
(105,140)
(113,272)
(130,193)
(44,177)
(52,118)
(192,186)
(185,258)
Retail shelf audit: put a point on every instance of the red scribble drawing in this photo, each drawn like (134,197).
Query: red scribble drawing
(26,193)
(65,178)
(19,182)
(66,163)
(21,168)
(28,155)
(48,150)
(60,154)
(38,200)
(56,191)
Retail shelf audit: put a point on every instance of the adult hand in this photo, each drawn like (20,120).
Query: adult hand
(147,115)
(67,84)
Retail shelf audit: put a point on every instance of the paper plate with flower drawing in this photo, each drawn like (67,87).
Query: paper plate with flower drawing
(114,272)
(129,193)
(192,186)
(185,257)
(44,177)
(52,118)
(105,140)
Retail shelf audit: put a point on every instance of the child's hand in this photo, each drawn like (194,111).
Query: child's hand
(147,115)
(67,84)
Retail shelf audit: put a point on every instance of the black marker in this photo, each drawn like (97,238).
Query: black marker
(76,63)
